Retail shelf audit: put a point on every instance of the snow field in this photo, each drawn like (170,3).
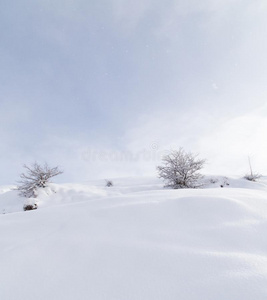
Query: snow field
(136,241)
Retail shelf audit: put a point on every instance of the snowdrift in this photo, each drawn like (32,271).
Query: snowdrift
(136,241)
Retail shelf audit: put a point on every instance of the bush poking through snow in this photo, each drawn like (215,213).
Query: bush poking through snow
(30,204)
(213,180)
(34,178)
(180,169)
(252,176)
(29,207)
(225,182)
(109,183)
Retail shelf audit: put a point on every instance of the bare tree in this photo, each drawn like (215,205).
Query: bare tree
(252,176)
(35,177)
(180,169)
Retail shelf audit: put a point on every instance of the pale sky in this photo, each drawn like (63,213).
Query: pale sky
(103,88)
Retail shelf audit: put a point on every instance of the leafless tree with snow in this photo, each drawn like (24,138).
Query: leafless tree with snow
(35,177)
(180,169)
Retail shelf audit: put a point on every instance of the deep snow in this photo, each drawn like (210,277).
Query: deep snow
(137,241)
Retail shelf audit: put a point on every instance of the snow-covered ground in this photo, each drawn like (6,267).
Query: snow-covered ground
(136,240)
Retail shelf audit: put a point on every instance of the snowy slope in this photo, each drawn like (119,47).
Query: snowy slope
(137,241)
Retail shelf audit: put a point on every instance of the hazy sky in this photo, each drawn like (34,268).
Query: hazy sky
(104,87)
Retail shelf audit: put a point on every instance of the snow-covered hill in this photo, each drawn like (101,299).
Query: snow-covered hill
(136,241)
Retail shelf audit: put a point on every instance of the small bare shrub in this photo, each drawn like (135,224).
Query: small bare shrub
(30,207)
(225,182)
(252,176)
(109,183)
(213,180)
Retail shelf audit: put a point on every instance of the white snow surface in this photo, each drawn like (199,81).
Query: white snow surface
(136,241)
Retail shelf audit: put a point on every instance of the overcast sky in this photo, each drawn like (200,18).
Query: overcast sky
(104,87)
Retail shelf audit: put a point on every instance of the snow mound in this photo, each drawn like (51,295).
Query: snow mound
(135,241)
